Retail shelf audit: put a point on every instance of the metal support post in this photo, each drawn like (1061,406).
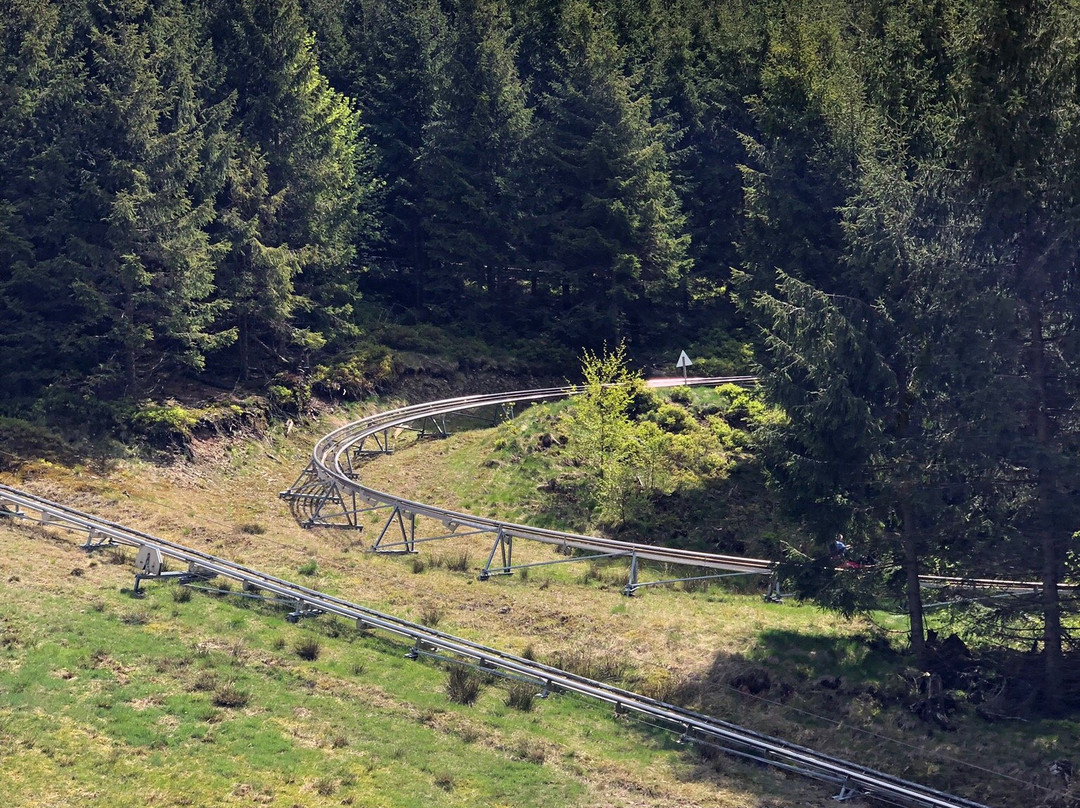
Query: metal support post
(506,544)
(408,536)
(301,611)
(102,540)
(773,594)
(632,584)
(847,792)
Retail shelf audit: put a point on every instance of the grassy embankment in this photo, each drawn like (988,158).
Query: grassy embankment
(106,700)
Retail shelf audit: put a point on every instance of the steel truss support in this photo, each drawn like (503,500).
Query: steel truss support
(773,594)
(438,427)
(504,542)
(96,541)
(316,502)
(408,534)
(381,441)
(391,547)
(151,564)
(633,584)
(509,568)
(847,792)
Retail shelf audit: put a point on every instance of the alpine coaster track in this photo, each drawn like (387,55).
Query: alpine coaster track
(852,779)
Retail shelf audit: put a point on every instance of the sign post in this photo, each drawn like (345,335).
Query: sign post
(684,362)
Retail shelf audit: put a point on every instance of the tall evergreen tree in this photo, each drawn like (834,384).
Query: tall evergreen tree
(474,153)
(706,62)
(42,91)
(159,157)
(610,231)
(398,51)
(315,155)
(842,311)
(1018,151)
(257,278)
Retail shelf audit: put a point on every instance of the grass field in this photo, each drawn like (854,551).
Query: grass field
(195,699)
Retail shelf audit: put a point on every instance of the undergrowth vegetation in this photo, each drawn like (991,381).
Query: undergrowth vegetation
(676,469)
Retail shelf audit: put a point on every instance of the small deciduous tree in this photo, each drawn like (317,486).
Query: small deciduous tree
(614,451)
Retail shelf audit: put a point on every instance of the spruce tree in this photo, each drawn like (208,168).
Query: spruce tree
(1018,155)
(610,230)
(134,187)
(316,159)
(474,154)
(842,308)
(42,94)
(398,50)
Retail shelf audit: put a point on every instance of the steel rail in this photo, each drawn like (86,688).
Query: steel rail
(331,463)
(853,779)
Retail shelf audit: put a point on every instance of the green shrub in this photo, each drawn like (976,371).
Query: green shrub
(520,696)
(459,563)
(23,440)
(83,412)
(230,695)
(288,393)
(462,685)
(308,648)
(163,425)
(308,568)
(681,395)
(744,409)
(355,376)
(181,594)
(672,418)
(431,616)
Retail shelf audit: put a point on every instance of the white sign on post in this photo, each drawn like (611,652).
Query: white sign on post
(684,362)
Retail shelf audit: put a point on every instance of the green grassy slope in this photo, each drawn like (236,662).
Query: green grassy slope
(108,700)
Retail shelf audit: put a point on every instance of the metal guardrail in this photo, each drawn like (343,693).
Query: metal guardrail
(852,779)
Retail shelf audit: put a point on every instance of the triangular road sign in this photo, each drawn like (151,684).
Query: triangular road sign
(684,361)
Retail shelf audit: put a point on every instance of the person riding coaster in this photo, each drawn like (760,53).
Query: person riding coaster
(839,555)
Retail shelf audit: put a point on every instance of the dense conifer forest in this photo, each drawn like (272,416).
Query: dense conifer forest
(880,197)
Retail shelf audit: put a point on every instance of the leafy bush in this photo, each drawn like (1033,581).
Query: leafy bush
(288,393)
(459,563)
(743,408)
(181,594)
(520,696)
(430,616)
(681,395)
(163,425)
(230,695)
(308,648)
(23,440)
(672,418)
(81,412)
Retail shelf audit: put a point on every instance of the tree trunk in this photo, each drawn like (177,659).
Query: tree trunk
(1053,680)
(909,543)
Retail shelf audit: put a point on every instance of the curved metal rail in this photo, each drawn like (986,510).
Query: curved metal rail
(329,492)
(851,778)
